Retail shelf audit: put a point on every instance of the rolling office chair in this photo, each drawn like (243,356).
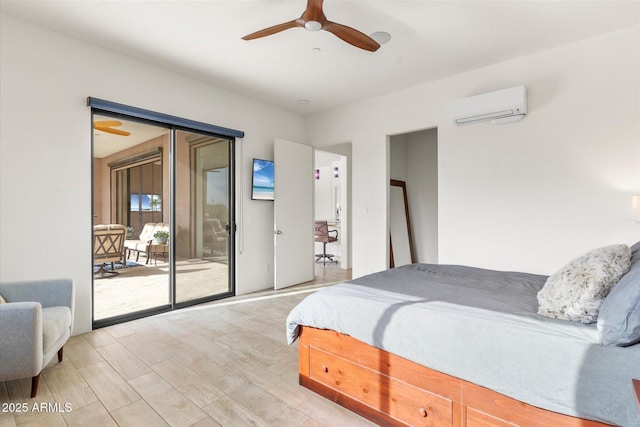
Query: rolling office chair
(323,235)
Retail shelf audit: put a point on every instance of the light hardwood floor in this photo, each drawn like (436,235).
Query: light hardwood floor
(224,363)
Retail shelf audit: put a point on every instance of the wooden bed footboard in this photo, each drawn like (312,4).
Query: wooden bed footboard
(390,390)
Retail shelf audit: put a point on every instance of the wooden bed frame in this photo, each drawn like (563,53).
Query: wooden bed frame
(390,390)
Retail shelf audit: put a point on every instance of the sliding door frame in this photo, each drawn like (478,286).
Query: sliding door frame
(173,158)
(174,124)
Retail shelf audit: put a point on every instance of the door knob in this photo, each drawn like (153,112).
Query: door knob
(278,232)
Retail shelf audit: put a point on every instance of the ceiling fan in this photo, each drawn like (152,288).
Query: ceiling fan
(313,19)
(108,126)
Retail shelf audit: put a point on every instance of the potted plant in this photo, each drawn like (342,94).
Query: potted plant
(160,237)
(129,232)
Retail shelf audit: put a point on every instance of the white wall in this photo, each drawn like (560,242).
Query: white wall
(45,152)
(526,196)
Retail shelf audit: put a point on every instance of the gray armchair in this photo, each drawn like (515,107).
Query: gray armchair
(35,323)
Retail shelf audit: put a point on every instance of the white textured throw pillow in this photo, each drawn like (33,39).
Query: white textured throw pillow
(576,291)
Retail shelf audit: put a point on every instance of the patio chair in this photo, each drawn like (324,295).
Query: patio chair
(108,247)
(145,243)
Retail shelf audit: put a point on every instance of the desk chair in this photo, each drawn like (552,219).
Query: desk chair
(323,235)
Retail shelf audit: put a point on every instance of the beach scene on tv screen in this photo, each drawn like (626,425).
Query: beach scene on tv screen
(146,203)
(262,180)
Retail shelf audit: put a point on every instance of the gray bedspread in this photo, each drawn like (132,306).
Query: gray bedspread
(482,326)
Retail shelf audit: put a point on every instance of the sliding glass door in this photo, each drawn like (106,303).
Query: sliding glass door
(153,180)
(129,171)
(139,194)
(203,212)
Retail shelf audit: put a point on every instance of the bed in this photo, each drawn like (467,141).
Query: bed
(446,345)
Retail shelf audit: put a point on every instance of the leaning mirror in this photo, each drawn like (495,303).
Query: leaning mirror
(400,238)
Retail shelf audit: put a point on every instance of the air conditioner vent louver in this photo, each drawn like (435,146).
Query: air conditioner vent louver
(502,106)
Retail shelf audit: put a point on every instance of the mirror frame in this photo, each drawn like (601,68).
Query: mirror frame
(403,186)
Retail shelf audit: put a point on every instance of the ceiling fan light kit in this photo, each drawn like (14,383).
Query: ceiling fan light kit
(312,26)
(314,19)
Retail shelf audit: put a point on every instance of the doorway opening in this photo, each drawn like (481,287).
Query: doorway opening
(332,204)
(413,160)
(169,190)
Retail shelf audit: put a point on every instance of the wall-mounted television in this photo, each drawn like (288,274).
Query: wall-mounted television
(146,203)
(262,183)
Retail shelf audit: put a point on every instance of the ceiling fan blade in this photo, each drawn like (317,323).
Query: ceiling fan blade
(275,29)
(113,131)
(107,123)
(352,36)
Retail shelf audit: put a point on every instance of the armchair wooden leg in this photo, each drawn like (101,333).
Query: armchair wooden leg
(34,385)
(60,354)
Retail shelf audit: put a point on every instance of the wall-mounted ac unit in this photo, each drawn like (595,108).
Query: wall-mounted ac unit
(501,106)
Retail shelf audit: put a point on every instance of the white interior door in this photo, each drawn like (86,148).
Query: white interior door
(293,213)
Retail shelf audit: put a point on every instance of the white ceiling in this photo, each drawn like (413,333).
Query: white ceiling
(430,40)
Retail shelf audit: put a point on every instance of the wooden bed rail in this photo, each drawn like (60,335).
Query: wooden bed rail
(393,391)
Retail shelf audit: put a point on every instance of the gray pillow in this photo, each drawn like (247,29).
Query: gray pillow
(576,291)
(619,319)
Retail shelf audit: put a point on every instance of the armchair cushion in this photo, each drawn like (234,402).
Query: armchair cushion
(150,229)
(56,327)
(146,235)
